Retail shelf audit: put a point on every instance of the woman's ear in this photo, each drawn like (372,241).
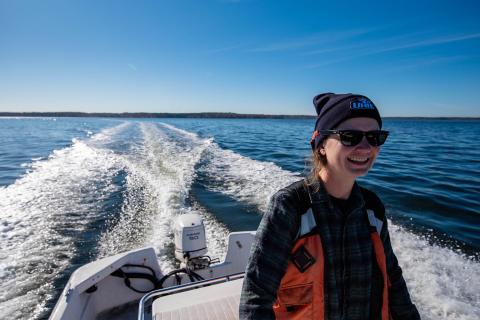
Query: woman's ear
(322,151)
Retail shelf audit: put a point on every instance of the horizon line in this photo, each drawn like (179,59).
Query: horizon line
(225,115)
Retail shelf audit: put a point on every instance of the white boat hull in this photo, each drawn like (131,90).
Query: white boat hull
(92,292)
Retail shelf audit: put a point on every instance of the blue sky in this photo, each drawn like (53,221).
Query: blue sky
(412,58)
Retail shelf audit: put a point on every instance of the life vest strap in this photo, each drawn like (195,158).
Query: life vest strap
(307,223)
(374,221)
(382,264)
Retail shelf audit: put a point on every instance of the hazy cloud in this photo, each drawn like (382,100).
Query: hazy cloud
(387,45)
(426,62)
(430,42)
(316,39)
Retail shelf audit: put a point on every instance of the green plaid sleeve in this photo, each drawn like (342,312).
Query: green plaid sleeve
(269,257)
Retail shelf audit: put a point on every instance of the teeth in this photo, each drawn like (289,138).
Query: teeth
(358,159)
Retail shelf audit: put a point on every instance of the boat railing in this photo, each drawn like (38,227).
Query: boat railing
(182,287)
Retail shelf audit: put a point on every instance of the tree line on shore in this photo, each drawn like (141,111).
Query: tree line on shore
(218,115)
(224,115)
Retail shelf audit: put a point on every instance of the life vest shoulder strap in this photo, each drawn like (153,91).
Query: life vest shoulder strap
(305,216)
(307,223)
(375,209)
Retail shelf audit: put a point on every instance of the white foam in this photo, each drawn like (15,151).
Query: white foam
(40,215)
(108,133)
(185,133)
(243,178)
(238,176)
(443,283)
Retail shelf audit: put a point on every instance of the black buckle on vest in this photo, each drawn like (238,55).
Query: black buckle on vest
(302,259)
(291,308)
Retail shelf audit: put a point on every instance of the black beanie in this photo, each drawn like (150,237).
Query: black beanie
(332,109)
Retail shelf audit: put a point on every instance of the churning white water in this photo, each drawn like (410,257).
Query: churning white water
(61,199)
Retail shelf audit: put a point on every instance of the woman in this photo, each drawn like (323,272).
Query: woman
(322,250)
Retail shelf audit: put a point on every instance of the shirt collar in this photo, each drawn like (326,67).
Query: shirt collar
(319,195)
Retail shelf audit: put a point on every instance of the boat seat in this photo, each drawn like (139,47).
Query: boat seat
(219,301)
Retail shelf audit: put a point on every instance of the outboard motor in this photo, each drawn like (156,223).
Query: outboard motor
(190,242)
(190,249)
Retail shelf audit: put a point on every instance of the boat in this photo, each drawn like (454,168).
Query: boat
(131,285)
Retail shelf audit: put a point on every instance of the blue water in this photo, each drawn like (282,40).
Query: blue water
(428,172)
(76,189)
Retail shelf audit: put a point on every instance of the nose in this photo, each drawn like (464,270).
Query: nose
(364,145)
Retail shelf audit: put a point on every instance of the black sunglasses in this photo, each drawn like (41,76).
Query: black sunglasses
(351,138)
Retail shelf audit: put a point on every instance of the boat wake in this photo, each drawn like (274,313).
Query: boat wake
(121,189)
(161,170)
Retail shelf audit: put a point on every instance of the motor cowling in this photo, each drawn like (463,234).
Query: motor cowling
(190,239)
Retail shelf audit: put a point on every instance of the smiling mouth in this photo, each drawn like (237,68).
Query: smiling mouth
(358,160)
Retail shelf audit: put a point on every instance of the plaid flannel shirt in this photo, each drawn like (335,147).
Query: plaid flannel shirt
(352,289)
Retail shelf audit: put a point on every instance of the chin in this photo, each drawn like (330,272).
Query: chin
(359,172)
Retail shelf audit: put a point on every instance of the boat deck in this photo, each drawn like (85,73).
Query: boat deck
(213,302)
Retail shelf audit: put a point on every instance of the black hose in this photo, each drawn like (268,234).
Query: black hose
(192,275)
(157,284)
(136,275)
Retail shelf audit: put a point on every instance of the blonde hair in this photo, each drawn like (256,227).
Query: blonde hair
(317,162)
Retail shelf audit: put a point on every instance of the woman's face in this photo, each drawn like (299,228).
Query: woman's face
(351,162)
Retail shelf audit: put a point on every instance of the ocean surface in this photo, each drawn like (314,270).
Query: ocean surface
(73,190)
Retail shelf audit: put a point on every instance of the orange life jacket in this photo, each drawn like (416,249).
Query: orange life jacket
(301,292)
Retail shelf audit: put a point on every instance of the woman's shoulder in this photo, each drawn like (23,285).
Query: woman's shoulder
(296,192)
(294,195)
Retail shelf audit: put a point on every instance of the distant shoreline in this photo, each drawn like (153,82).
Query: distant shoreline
(199,115)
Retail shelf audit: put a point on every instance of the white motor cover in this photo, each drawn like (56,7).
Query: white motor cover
(189,237)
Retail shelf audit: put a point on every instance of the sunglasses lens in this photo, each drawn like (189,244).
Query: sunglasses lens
(382,137)
(376,138)
(351,138)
